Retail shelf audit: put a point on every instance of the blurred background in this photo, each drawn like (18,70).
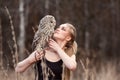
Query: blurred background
(98,35)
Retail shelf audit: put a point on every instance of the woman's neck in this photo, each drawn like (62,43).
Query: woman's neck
(61,43)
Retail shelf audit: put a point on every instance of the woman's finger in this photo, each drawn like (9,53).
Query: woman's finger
(38,55)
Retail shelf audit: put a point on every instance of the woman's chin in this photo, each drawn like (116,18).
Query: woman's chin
(53,37)
(56,38)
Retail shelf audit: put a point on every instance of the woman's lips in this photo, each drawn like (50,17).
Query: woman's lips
(56,32)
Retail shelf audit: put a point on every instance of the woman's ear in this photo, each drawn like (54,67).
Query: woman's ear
(68,38)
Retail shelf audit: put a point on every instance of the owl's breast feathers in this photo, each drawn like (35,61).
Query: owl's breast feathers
(44,32)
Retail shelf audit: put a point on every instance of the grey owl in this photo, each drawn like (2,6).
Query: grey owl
(44,32)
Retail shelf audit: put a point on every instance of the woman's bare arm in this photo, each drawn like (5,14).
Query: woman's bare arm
(70,62)
(32,58)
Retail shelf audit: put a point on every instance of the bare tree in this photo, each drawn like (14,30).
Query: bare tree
(47,6)
(1,51)
(57,11)
(22,29)
(87,34)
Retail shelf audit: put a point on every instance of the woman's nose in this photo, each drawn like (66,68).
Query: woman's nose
(57,29)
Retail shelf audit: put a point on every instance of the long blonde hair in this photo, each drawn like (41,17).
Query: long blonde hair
(71,49)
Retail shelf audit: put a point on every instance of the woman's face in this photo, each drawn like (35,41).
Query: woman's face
(62,32)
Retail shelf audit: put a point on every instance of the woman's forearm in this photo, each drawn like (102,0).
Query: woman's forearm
(32,58)
(70,62)
(23,65)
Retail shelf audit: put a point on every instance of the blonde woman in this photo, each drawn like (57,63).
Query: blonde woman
(59,57)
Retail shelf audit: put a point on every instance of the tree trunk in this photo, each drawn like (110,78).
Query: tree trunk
(21,41)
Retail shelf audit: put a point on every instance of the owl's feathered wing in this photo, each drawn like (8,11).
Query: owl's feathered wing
(45,30)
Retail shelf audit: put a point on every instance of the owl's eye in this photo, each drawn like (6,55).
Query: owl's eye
(51,21)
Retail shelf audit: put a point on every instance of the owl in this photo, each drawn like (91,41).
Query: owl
(44,32)
(41,37)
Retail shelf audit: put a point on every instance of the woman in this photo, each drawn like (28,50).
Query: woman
(59,57)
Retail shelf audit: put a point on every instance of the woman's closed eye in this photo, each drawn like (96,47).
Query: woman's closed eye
(63,29)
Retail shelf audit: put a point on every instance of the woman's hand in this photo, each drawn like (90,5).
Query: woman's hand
(35,56)
(54,45)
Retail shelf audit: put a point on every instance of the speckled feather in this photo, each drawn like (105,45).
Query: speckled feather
(44,32)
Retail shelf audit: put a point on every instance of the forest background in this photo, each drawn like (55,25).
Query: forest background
(98,35)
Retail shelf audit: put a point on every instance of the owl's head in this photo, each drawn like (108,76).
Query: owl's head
(48,22)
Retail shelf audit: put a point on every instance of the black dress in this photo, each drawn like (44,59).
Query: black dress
(55,67)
